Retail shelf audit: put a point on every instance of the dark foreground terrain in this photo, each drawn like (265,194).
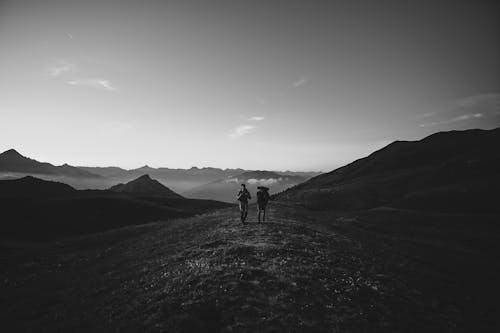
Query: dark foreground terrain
(33,209)
(376,270)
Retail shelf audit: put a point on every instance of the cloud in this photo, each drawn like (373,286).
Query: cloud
(454,120)
(93,82)
(300,82)
(241,130)
(61,67)
(463,109)
(256,118)
(263,181)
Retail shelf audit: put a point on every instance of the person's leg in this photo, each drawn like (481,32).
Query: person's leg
(258,213)
(246,211)
(242,212)
(263,214)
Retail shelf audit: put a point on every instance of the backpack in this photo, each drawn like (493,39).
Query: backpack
(262,196)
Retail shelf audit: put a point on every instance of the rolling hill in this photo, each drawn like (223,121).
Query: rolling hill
(36,209)
(444,171)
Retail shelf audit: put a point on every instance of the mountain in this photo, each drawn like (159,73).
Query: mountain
(146,186)
(15,165)
(33,187)
(36,209)
(182,181)
(225,189)
(179,180)
(457,170)
(13,162)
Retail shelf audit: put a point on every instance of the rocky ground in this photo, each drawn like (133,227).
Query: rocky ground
(210,273)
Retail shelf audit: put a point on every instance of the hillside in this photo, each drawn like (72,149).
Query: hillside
(297,273)
(445,171)
(35,209)
(12,161)
(145,186)
(226,189)
(31,187)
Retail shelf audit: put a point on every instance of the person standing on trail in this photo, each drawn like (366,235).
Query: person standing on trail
(262,200)
(243,196)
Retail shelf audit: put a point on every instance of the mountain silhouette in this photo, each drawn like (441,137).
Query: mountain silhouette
(36,209)
(33,187)
(263,174)
(145,185)
(166,266)
(13,161)
(182,181)
(446,170)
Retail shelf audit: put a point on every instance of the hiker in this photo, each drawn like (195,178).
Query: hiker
(262,200)
(243,197)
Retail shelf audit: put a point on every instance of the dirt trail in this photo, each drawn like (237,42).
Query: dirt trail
(212,273)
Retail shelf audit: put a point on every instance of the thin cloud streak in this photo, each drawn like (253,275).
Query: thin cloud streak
(61,68)
(256,118)
(93,82)
(241,131)
(300,82)
(463,117)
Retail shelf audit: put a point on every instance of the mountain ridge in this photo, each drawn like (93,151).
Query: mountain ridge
(444,168)
(37,209)
(12,161)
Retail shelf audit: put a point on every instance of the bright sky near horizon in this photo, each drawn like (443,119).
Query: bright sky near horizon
(297,85)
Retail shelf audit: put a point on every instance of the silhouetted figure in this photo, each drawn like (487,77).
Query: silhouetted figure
(262,200)
(243,196)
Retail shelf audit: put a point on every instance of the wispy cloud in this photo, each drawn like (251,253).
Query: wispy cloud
(61,67)
(241,130)
(463,117)
(93,82)
(300,82)
(256,118)
(463,109)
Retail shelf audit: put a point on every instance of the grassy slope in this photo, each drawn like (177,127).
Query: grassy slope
(210,273)
(86,212)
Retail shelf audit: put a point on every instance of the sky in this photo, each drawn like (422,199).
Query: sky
(277,85)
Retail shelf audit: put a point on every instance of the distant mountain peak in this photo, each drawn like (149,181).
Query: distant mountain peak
(145,185)
(12,161)
(11,152)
